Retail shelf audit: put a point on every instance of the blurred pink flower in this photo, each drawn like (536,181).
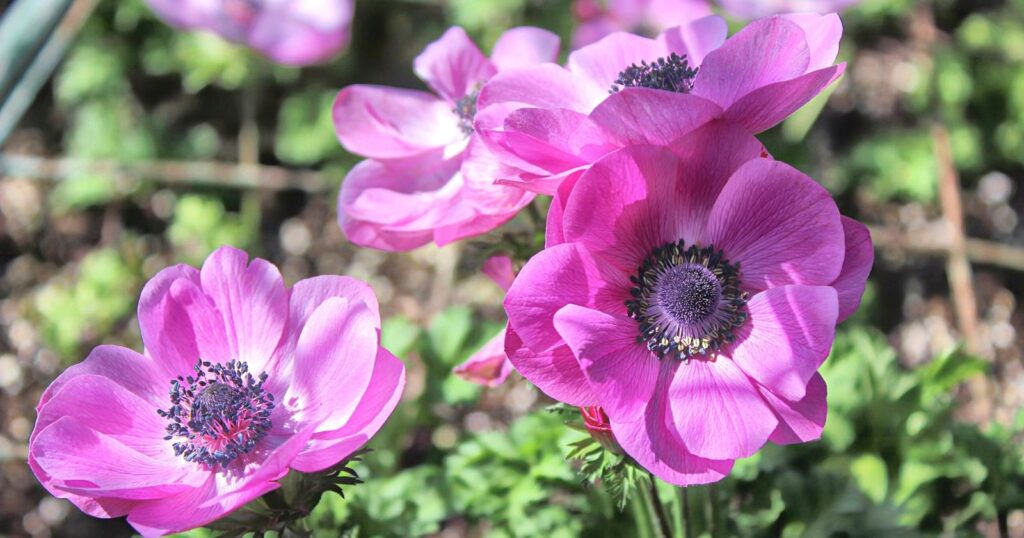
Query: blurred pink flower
(290,32)
(242,379)
(691,292)
(598,18)
(490,366)
(428,177)
(546,123)
(752,9)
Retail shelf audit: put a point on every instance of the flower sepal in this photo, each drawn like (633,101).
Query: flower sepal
(601,460)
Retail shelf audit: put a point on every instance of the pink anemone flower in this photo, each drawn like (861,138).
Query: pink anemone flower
(692,293)
(490,366)
(290,32)
(242,379)
(548,122)
(428,177)
(598,18)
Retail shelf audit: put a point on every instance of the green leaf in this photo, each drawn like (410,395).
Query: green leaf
(448,333)
(872,476)
(399,335)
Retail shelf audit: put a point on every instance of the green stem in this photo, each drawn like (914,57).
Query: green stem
(713,502)
(678,518)
(686,511)
(640,507)
(659,509)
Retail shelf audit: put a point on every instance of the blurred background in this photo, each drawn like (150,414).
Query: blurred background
(149,146)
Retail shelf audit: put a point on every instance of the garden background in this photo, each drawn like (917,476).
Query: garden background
(149,146)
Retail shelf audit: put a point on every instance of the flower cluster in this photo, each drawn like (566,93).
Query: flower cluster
(690,285)
(687,292)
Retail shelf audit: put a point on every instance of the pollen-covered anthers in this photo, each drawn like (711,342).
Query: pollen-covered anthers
(220,413)
(465,109)
(687,301)
(672,74)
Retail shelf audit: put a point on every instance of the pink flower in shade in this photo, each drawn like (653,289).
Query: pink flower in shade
(428,177)
(490,366)
(752,9)
(549,122)
(691,292)
(290,32)
(242,379)
(597,18)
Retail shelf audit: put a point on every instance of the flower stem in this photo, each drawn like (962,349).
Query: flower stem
(642,515)
(684,502)
(713,502)
(659,509)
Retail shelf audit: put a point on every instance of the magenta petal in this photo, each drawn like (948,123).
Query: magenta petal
(823,33)
(524,46)
(473,226)
(696,38)
(542,86)
(800,421)
(718,411)
(396,204)
(202,324)
(626,205)
(621,372)
(557,276)
(781,226)
(221,494)
(179,513)
(704,173)
(646,116)
(334,360)
(500,270)
(453,65)
(134,372)
(553,233)
(489,366)
(251,299)
(766,106)
(305,297)
(166,326)
(388,123)
(860,256)
(80,460)
(653,442)
(102,405)
(553,140)
(309,293)
(554,371)
(327,448)
(787,337)
(765,52)
(601,62)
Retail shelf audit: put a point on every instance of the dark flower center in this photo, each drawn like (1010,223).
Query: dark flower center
(672,73)
(465,109)
(218,414)
(687,301)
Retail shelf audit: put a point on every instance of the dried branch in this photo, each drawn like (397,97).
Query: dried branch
(241,176)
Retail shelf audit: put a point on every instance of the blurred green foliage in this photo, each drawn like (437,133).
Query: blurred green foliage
(86,307)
